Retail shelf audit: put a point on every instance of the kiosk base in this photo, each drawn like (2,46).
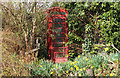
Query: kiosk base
(59,60)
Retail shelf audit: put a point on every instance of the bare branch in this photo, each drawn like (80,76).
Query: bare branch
(32,50)
(115,47)
(10,12)
(18,22)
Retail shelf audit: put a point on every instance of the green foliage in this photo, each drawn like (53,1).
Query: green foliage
(41,68)
(109,23)
(80,65)
(87,46)
(100,18)
(89,23)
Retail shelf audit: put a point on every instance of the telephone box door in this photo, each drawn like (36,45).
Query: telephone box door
(57,37)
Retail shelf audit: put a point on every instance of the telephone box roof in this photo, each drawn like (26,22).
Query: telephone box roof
(58,9)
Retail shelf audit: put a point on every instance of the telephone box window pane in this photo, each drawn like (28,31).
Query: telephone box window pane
(59,40)
(58,45)
(58,49)
(58,20)
(58,30)
(59,35)
(62,13)
(59,55)
(59,25)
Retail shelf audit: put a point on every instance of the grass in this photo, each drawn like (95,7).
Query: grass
(13,65)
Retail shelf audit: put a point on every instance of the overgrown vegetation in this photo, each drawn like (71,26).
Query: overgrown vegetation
(13,65)
(83,65)
(22,28)
(92,23)
(94,39)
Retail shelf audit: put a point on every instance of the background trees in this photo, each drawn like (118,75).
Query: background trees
(22,28)
(93,28)
(89,23)
(93,23)
(23,25)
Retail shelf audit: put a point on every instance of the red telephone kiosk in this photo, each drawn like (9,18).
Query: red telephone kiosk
(56,34)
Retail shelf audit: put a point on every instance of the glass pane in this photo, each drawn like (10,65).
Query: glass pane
(59,25)
(58,20)
(59,40)
(57,45)
(59,35)
(58,49)
(59,55)
(58,30)
(63,13)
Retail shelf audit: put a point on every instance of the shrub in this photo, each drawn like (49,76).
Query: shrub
(101,65)
(13,65)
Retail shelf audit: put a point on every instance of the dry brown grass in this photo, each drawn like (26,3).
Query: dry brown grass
(13,63)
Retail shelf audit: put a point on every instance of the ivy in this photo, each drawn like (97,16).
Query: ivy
(93,22)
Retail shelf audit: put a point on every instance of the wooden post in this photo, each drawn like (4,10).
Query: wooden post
(37,45)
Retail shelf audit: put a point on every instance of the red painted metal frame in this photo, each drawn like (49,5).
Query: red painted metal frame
(50,22)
